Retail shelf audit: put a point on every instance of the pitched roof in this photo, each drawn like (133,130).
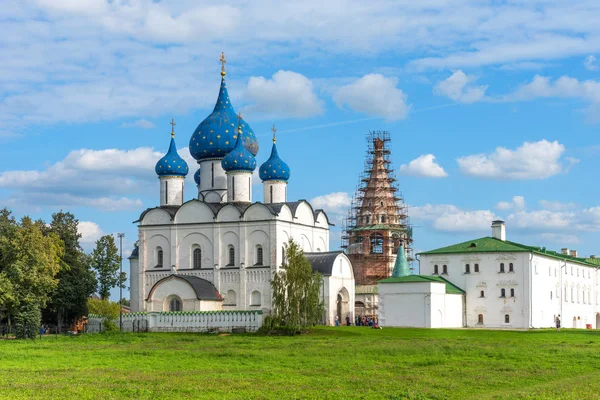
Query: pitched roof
(450,287)
(322,262)
(492,245)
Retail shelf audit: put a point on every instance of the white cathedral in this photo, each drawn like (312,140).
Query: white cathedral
(220,251)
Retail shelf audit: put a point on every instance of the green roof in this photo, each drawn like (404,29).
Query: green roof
(492,245)
(450,287)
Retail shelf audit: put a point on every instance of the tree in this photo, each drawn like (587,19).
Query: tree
(297,305)
(107,310)
(76,279)
(29,263)
(106,262)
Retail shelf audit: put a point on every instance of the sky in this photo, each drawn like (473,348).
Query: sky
(493,107)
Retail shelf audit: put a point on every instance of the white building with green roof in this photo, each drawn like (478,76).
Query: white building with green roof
(511,285)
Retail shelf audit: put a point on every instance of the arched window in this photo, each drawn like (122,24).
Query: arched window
(175,304)
(507,319)
(376,243)
(435,270)
(476,268)
(480,319)
(511,267)
(502,292)
(255,298)
(231,254)
(482,294)
(501,267)
(259,255)
(230,299)
(467,269)
(159,257)
(512,292)
(197,258)
(444,269)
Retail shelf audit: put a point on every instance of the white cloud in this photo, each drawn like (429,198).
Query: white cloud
(517,203)
(563,87)
(90,232)
(557,205)
(449,218)
(590,63)
(537,160)
(460,87)
(424,166)
(337,202)
(101,179)
(140,123)
(286,94)
(561,239)
(374,95)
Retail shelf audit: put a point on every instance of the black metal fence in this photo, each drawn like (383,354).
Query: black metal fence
(45,330)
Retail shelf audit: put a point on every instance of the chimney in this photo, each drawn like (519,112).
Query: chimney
(573,253)
(565,251)
(499,230)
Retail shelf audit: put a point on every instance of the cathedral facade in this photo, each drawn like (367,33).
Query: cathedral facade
(220,250)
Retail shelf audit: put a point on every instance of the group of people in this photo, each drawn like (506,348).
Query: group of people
(372,322)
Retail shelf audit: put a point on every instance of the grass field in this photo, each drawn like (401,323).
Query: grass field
(345,362)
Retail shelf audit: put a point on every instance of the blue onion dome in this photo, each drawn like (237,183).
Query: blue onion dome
(239,159)
(171,164)
(274,169)
(197,177)
(216,136)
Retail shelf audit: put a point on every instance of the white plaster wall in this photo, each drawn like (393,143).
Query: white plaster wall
(491,281)
(182,289)
(454,311)
(340,281)
(550,279)
(278,194)
(239,187)
(171,195)
(134,284)
(195,225)
(218,185)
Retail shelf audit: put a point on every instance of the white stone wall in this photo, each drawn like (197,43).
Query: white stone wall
(419,305)
(213,181)
(195,226)
(340,282)
(160,297)
(134,287)
(275,192)
(171,190)
(239,187)
(220,321)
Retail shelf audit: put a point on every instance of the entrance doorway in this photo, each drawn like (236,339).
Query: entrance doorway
(342,306)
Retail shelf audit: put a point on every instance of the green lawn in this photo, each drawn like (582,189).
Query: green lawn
(344,362)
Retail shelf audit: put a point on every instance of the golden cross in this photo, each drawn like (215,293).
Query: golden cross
(223,61)
(274,131)
(172,127)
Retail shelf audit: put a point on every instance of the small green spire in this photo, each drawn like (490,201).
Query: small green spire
(401,267)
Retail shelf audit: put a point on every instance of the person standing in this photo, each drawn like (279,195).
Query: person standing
(558,323)
(337,321)
(348,320)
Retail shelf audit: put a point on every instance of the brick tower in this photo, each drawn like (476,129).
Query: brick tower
(377,225)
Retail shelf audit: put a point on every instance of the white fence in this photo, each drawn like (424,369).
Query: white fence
(185,321)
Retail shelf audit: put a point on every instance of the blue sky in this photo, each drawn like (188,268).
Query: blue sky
(493,106)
